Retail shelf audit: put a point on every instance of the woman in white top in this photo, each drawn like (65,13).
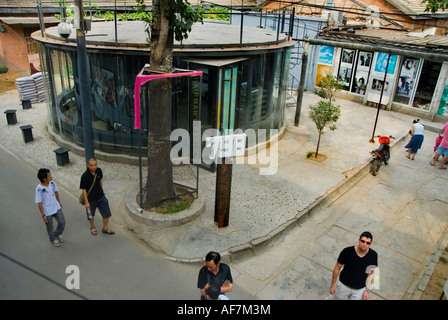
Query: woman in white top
(417,134)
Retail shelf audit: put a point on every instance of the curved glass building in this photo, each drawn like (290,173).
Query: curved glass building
(244,82)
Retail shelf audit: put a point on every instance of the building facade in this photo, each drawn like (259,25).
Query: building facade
(404,72)
(244,82)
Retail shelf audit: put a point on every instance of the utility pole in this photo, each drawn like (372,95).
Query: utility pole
(372,139)
(301,84)
(84,88)
(222,150)
(223,190)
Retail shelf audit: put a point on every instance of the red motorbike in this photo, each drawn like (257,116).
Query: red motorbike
(381,154)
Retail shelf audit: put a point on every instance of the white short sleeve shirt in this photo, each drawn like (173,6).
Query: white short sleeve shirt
(46,195)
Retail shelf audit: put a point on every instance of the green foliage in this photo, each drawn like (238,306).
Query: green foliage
(217,14)
(183,16)
(435,5)
(109,15)
(328,86)
(181,13)
(325,113)
(174,206)
(3,69)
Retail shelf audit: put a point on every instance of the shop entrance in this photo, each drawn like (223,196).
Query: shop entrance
(219,97)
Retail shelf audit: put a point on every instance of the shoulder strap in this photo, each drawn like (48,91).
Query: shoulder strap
(91,187)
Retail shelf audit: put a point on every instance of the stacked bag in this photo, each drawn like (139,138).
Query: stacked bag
(31,88)
(40,90)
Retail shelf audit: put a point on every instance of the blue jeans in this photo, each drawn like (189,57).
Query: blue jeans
(54,233)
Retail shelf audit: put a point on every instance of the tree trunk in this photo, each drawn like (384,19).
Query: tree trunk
(160,185)
(318,143)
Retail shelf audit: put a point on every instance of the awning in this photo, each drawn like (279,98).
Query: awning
(27,20)
(216,62)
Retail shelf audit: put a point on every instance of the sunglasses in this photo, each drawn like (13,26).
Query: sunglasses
(366,242)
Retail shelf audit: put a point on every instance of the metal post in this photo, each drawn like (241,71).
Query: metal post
(223,187)
(381,96)
(84,82)
(140,174)
(301,85)
(241,27)
(41,18)
(283,22)
(291,23)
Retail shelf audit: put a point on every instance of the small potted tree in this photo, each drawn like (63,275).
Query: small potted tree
(326,113)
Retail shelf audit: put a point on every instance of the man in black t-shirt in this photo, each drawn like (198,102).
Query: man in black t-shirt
(96,198)
(214,269)
(358,264)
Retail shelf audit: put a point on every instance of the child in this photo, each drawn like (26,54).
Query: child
(438,140)
(214,291)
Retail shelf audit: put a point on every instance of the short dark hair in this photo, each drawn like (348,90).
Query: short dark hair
(366,234)
(212,255)
(42,174)
(213,290)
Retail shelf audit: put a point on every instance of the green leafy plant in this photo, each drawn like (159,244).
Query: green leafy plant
(3,69)
(435,5)
(217,14)
(174,207)
(326,113)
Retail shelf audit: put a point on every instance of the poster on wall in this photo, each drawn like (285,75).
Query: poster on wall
(104,85)
(345,68)
(364,60)
(378,88)
(406,80)
(325,62)
(381,63)
(362,72)
(443,107)
(360,82)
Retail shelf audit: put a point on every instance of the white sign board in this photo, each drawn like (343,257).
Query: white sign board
(233,145)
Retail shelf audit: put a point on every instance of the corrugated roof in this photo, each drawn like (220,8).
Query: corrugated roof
(409,7)
(395,39)
(18,4)
(27,20)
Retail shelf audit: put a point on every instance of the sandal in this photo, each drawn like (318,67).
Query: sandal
(93,231)
(108,231)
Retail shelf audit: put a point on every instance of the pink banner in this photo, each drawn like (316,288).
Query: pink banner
(141,79)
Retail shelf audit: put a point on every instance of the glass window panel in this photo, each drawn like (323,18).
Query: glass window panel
(362,70)
(443,106)
(346,67)
(427,84)
(406,80)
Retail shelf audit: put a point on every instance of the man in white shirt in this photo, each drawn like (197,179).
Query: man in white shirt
(50,207)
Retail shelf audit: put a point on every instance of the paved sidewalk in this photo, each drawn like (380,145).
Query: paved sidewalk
(264,208)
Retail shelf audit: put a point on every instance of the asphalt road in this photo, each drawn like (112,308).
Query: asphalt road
(109,267)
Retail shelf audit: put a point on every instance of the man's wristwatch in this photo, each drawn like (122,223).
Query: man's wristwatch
(367,290)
